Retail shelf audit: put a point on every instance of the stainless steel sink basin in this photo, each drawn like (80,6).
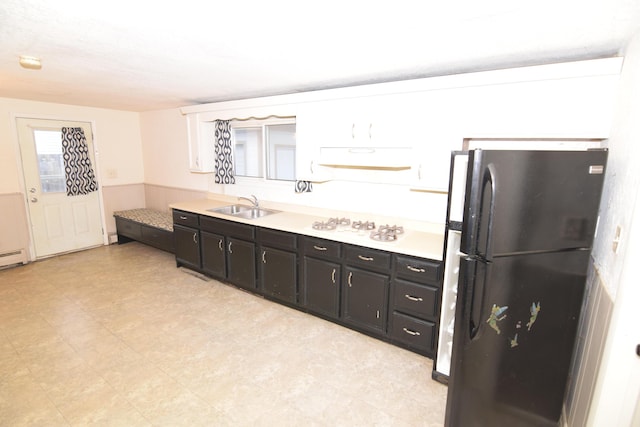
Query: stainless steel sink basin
(252,213)
(242,211)
(230,210)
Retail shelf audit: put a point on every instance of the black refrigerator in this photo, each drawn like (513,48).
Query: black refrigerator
(529,219)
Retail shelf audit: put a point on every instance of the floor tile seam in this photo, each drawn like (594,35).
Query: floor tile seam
(132,404)
(47,395)
(147,414)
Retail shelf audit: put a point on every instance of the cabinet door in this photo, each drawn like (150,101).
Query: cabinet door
(213,254)
(201,137)
(241,263)
(187,245)
(279,274)
(365,297)
(322,286)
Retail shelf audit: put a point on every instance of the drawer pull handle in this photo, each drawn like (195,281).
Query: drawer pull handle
(349,279)
(182,217)
(264,253)
(415,269)
(365,258)
(410,332)
(230,251)
(412,298)
(195,238)
(220,245)
(319,248)
(333,276)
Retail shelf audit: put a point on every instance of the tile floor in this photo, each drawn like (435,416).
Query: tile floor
(119,336)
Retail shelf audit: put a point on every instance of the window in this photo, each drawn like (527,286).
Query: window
(265,148)
(50,163)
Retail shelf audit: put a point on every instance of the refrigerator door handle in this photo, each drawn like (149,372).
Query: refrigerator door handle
(476,274)
(477,298)
(466,291)
(490,179)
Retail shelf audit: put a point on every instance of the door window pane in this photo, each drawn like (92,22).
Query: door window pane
(50,162)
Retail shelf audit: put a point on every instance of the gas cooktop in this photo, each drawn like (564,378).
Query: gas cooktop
(384,233)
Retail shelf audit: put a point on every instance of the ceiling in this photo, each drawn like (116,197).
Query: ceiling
(143,55)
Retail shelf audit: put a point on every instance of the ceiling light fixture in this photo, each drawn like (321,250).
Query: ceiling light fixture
(30,62)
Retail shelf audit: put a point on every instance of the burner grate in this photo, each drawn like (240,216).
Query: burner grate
(384,233)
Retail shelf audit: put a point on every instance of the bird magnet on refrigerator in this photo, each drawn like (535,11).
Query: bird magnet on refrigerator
(496,316)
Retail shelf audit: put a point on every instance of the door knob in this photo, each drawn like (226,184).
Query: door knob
(34,199)
(32,190)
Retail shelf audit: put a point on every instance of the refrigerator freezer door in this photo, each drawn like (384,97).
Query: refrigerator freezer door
(515,329)
(531,201)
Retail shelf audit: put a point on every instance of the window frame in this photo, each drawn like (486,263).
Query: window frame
(262,124)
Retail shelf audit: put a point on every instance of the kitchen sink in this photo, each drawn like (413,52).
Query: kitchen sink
(252,213)
(230,210)
(242,211)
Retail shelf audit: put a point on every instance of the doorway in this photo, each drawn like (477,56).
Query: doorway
(59,222)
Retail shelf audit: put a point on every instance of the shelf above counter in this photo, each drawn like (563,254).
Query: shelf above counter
(389,158)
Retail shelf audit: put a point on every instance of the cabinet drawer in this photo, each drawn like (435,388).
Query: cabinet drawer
(188,219)
(128,228)
(419,270)
(228,228)
(412,332)
(368,258)
(322,248)
(278,239)
(412,298)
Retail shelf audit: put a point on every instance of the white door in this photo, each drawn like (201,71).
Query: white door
(59,223)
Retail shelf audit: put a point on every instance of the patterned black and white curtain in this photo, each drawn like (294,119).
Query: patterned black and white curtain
(224,153)
(79,175)
(303,186)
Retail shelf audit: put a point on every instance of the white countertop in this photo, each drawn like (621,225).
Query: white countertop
(424,240)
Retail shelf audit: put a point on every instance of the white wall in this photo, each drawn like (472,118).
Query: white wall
(165,151)
(618,384)
(117,138)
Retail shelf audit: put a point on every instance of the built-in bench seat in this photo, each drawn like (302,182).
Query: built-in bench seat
(149,226)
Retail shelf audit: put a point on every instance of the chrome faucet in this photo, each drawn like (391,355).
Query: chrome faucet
(253,200)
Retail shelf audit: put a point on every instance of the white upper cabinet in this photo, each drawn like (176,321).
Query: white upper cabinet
(201,138)
(365,132)
(308,139)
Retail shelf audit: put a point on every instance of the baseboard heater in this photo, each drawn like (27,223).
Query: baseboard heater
(15,257)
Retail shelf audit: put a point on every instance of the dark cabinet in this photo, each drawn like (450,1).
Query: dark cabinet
(213,254)
(186,237)
(322,286)
(278,264)
(391,296)
(228,251)
(241,263)
(322,276)
(279,274)
(415,299)
(365,299)
(366,292)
